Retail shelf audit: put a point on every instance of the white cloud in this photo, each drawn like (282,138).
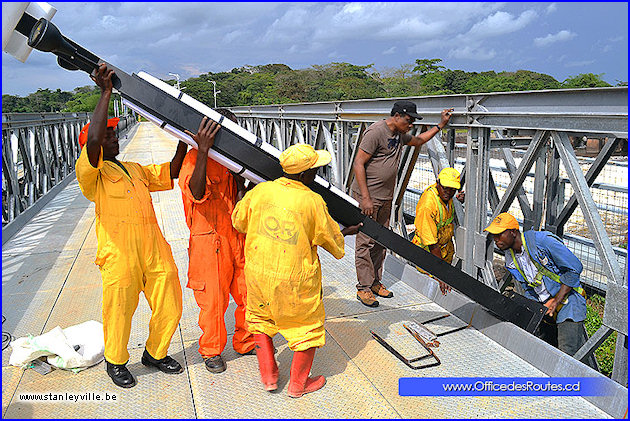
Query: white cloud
(501,23)
(579,63)
(389,51)
(472,53)
(234,35)
(551,8)
(191,69)
(436,45)
(404,23)
(561,36)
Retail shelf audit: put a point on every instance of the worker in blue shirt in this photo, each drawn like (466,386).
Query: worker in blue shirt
(549,273)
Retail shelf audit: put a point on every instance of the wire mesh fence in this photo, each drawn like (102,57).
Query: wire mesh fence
(609,191)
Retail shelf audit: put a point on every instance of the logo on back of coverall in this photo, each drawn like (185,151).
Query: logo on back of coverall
(279,224)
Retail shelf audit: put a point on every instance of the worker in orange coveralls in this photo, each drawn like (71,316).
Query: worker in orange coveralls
(216,260)
(285,221)
(132,253)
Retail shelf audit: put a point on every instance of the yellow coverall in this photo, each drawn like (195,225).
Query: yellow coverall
(434,223)
(132,253)
(285,221)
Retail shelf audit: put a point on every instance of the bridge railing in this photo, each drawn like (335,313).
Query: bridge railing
(515,154)
(495,123)
(38,152)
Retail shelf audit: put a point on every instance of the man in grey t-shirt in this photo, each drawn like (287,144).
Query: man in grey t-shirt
(375,169)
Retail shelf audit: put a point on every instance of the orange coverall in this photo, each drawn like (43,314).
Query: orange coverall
(216,260)
(132,253)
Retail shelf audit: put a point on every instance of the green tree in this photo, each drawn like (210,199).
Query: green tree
(424,66)
(13,104)
(584,80)
(277,83)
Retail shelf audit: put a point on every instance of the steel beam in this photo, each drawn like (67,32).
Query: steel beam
(511,168)
(592,110)
(493,195)
(616,308)
(554,196)
(350,173)
(591,175)
(521,173)
(450,141)
(589,209)
(539,189)
(397,220)
(477,180)
(593,343)
(620,366)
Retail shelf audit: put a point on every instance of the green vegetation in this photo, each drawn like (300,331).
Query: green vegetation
(605,354)
(46,101)
(278,84)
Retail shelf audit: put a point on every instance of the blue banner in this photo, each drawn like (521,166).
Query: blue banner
(501,386)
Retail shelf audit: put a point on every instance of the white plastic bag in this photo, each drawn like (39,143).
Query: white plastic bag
(59,347)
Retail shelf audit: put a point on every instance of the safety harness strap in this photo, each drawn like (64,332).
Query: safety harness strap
(542,271)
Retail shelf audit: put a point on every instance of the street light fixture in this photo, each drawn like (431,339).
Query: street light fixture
(176,77)
(214,87)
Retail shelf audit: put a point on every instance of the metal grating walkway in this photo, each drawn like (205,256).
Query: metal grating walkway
(49,279)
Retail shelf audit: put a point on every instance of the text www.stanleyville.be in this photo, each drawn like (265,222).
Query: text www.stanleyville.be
(68,397)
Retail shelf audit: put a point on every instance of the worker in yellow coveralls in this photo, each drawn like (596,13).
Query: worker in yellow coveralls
(434,218)
(132,253)
(285,221)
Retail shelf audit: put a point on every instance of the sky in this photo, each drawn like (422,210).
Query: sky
(559,39)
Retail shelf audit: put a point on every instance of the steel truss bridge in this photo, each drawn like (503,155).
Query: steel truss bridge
(540,122)
(522,131)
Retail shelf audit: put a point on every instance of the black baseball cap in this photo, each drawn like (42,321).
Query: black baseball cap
(406,107)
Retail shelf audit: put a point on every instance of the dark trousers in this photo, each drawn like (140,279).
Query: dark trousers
(568,336)
(368,254)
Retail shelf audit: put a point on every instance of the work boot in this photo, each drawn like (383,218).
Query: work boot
(266,361)
(367,298)
(215,364)
(120,375)
(166,365)
(300,383)
(380,290)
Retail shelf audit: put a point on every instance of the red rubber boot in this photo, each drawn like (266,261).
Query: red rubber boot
(300,383)
(266,361)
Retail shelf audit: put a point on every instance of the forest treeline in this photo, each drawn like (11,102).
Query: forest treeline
(278,84)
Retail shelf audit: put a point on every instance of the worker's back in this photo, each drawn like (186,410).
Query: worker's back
(285,221)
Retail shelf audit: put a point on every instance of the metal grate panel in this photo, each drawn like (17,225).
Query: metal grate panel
(95,379)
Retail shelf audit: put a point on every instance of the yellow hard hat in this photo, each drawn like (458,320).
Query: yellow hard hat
(503,222)
(449,177)
(301,157)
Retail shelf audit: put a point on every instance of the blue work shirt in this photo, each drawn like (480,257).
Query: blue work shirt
(549,251)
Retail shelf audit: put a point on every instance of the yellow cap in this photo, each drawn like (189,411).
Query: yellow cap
(301,157)
(503,222)
(449,177)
